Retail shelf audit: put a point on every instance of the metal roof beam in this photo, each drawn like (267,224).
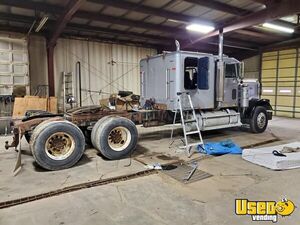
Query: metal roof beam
(265,2)
(49,8)
(88,28)
(216,5)
(66,16)
(229,42)
(38,6)
(150,10)
(274,11)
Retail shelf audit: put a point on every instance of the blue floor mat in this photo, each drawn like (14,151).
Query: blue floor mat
(220,148)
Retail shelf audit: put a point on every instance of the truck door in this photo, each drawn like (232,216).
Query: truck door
(231,85)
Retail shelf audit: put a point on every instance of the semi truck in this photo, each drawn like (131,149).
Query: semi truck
(221,97)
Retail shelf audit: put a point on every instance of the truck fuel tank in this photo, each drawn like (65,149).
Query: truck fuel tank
(216,120)
(244,96)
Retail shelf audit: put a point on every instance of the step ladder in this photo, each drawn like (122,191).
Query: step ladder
(184,113)
(68,90)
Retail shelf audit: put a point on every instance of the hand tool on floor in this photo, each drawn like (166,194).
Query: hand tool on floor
(194,166)
(277,153)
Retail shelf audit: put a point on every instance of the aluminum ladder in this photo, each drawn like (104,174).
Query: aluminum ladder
(183,114)
(68,90)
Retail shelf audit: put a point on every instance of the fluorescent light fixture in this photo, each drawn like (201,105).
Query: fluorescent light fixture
(204,29)
(285,91)
(41,23)
(175,21)
(250,80)
(268,91)
(279,28)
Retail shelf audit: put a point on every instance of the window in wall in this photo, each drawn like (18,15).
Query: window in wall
(202,78)
(190,73)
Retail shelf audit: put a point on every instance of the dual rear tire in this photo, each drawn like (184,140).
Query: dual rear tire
(114,137)
(57,145)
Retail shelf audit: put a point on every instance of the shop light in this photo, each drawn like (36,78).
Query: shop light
(41,23)
(279,28)
(285,91)
(201,28)
(268,91)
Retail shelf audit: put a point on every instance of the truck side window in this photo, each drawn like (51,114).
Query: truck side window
(202,78)
(190,73)
(230,71)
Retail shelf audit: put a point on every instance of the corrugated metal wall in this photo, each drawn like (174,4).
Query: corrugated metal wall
(252,67)
(281,81)
(105,68)
(38,67)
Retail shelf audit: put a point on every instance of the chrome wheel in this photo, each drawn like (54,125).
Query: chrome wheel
(59,146)
(261,120)
(119,138)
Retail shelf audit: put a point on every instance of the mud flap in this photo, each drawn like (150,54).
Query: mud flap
(18,165)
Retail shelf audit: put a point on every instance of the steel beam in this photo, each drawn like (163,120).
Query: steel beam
(265,2)
(37,6)
(259,35)
(275,11)
(151,10)
(66,16)
(71,8)
(283,44)
(216,5)
(229,42)
(50,62)
(49,8)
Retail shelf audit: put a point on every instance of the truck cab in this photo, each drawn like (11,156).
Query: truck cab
(165,75)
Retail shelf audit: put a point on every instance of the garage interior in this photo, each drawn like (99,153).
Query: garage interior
(56,56)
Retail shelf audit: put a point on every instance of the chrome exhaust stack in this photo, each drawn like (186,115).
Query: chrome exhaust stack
(220,73)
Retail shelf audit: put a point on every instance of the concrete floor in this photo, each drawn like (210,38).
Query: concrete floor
(154,199)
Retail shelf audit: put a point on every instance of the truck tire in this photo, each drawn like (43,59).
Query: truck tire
(96,127)
(57,145)
(115,137)
(259,120)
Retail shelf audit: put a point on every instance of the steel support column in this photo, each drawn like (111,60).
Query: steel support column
(50,61)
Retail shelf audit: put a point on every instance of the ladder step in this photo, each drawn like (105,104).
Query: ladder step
(190,121)
(194,144)
(192,132)
(185,119)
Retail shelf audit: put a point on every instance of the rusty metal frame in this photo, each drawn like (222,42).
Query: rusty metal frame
(87,116)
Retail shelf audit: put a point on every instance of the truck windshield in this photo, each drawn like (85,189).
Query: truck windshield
(232,70)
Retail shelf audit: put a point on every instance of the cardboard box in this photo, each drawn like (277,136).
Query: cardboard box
(118,103)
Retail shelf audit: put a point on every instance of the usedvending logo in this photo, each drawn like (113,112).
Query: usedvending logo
(264,210)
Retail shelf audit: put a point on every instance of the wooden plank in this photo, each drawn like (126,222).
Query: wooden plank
(52,104)
(21,105)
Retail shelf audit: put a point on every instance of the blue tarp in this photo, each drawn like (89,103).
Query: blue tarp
(220,148)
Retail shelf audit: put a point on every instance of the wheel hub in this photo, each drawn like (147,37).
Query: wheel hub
(119,138)
(261,120)
(116,136)
(59,146)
